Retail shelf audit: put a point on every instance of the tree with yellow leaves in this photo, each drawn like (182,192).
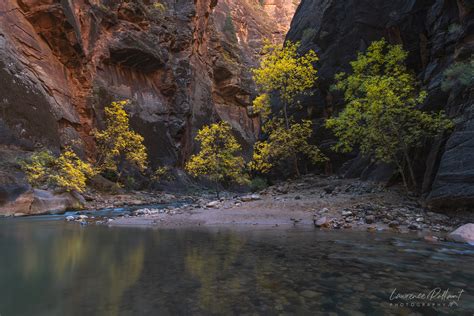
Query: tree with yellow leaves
(381,116)
(217,159)
(284,72)
(118,143)
(283,143)
(67,171)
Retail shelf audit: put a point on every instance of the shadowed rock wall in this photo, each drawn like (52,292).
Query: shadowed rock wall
(437,34)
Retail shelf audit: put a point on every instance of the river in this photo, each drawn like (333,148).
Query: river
(52,267)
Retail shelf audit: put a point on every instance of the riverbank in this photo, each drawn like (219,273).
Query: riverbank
(325,202)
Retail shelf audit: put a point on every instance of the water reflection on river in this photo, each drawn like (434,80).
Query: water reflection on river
(49,267)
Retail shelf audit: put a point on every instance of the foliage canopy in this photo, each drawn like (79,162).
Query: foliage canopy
(381,115)
(217,159)
(117,142)
(285,72)
(67,171)
(284,143)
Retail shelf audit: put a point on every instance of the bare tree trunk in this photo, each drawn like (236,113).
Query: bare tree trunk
(402,173)
(297,169)
(287,125)
(410,167)
(287,121)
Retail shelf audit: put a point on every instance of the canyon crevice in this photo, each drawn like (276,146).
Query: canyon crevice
(62,62)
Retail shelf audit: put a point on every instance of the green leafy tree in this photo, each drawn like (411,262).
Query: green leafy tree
(459,74)
(288,74)
(218,158)
(67,171)
(381,115)
(118,143)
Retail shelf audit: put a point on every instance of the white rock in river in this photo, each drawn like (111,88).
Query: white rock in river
(251,197)
(70,218)
(141,211)
(465,233)
(83,217)
(213,204)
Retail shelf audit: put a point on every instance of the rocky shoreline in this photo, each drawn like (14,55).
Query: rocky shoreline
(323,202)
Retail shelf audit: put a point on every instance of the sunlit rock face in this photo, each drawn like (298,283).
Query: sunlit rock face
(62,61)
(240,29)
(437,34)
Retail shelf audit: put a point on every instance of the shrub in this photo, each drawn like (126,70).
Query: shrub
(459,73)
(159,6)
(258,184)
(285,143)
(118,143)
(67,171)
(218,159)
(162,173)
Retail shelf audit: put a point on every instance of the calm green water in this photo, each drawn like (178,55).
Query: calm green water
(50,267)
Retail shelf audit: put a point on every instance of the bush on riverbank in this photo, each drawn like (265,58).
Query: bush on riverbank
(67,171)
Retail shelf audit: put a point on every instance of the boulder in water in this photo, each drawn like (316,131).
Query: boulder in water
(465,233)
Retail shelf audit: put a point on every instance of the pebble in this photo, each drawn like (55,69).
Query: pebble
(413,226)
(309,294)
(430,238)
(369,219)
(393,224)
(322,222)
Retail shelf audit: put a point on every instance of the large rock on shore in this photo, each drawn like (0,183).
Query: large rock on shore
(35,202)
(48,202)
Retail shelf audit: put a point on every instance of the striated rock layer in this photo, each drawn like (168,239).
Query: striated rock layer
(437,34)
(62,61)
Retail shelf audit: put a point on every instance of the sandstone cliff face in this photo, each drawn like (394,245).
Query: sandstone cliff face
(239,29)
(437,33)
(180,67)
(62,61)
